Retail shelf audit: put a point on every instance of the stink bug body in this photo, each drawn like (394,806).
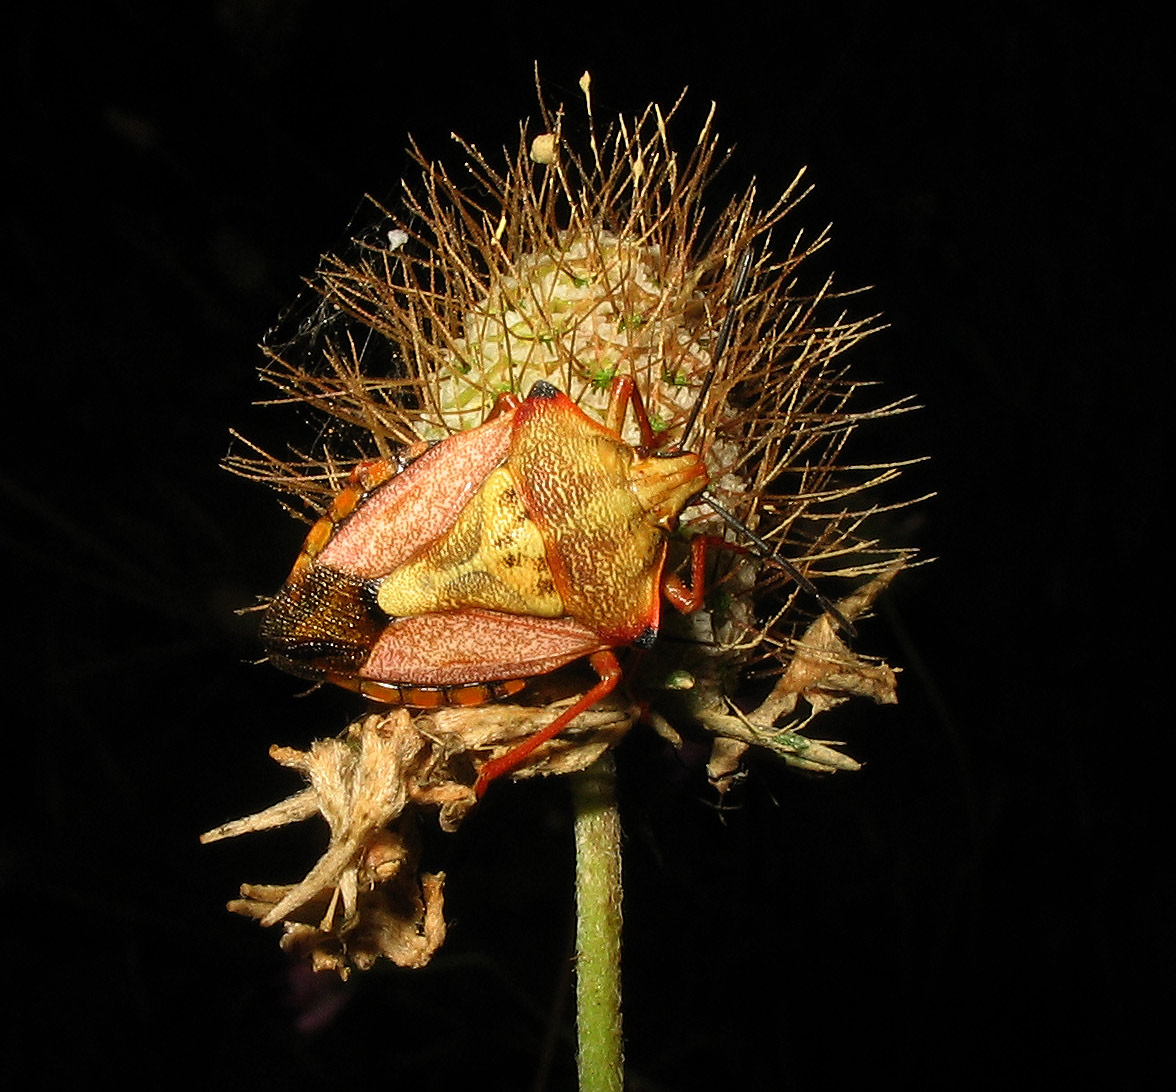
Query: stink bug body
(500,554)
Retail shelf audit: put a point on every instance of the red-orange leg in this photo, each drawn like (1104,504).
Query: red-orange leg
(623,393)
(689,599)
(605,664)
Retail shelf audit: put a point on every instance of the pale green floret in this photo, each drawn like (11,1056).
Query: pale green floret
(576,318)
(602,378)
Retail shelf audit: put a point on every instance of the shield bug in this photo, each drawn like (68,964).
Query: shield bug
(501,553)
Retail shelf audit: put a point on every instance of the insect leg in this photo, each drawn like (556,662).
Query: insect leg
(689,599)
(606,666)
(622,394)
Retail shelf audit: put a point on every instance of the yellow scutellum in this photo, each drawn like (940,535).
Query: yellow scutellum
(576,264)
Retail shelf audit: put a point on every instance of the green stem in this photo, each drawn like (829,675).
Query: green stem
(598,929)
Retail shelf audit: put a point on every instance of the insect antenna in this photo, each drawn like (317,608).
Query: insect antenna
(762,548)
(738,289)
(765,552)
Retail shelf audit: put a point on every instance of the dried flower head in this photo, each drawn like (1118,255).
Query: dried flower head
(575,266)
(366,896)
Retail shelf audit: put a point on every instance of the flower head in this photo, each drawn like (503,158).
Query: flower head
(578,266)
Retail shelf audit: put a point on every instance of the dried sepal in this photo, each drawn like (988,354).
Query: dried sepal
(365,898)
(399,917)
(822,672)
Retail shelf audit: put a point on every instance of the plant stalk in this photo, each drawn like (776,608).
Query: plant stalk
(600,1050)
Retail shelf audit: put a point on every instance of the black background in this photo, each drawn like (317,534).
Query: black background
(975,905)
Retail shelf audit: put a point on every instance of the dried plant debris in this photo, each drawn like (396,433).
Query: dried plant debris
(576,265)
(822,672)
(366,898)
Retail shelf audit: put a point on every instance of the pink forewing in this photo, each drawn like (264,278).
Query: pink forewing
(469,646)
(406,514)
